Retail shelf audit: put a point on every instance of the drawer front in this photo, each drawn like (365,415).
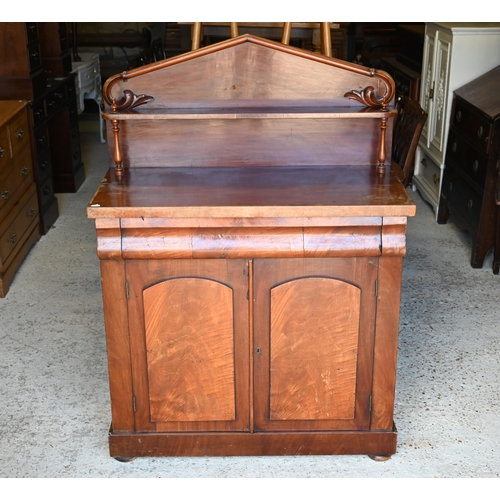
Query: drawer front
(34,56)
(87,75)
(38,112)
(467,159)
(430,172)
(19,134)
(19,173)
(45,191)
(41,140)
(13,230)
(4,147)
(55,100)
(32,32)
(71,88)
(461,196)
(471,124)
(73,110)
(44,164)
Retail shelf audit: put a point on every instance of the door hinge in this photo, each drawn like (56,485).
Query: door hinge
(127,290)
(376,288)
(248,295)
(134,404)
(370,403)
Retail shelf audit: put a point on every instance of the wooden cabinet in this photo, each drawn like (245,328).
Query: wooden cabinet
(472,162)
(251,277)
(56,57)
(57,157)
(21,71)
(19,229)
(454,54)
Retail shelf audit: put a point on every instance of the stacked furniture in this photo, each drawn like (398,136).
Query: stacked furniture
(406,66)
(251,241)
(19,220)
(472,163)
(454,54)
(88,84)
(57,158)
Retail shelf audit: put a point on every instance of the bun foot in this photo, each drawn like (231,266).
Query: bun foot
(125,459)
(380,458)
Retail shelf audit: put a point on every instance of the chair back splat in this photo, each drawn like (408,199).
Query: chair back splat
(407,129)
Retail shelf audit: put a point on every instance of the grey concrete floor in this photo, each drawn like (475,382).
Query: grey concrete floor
(54,400)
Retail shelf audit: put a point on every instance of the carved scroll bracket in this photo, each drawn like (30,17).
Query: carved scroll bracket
(129,99)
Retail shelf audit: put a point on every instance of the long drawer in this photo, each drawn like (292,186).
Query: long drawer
(466,158)
(14,227)
(14,180)
(466,200)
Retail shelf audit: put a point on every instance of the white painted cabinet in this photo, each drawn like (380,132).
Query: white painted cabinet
(454,54)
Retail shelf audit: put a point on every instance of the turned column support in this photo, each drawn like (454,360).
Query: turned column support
(117,154)
(382,153)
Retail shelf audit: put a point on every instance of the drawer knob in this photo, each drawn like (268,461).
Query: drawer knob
(475,166)
(31,212)
(480,131)
(424,162)
(459,116)
(20,133)
(454,147)
(469,205)
(24,172)
(435,178)
(13,238)
(2,152)
(46,190)
(5,194)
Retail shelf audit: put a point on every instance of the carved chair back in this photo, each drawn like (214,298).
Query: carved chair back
(407,129)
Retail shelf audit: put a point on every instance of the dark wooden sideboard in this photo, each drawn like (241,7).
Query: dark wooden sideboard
(251,241)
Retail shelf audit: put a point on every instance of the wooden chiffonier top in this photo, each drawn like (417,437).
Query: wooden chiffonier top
(249,128)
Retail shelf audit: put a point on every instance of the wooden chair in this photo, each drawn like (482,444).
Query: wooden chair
(326,37)
(407,129)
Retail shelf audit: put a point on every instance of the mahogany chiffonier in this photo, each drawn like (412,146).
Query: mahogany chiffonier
(472,162)
(251,242)
(19,219)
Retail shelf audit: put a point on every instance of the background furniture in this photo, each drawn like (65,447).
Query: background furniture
(406,66)
(54,116)
(19,221)
(54,46)
(304,35)
(251,242)
(454,54)
(88,84)
(407,129)
(472,162)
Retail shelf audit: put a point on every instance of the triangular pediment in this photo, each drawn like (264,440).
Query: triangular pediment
(249,71)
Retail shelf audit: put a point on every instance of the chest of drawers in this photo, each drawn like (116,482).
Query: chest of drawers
(19,229)
(472,162)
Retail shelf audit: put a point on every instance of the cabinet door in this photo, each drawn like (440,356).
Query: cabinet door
(427,89)
(189,339)
(439,115)
(313,343)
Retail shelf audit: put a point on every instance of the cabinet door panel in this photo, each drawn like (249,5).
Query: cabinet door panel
(439,115)
(313,349)
(190,344)
(313,341)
